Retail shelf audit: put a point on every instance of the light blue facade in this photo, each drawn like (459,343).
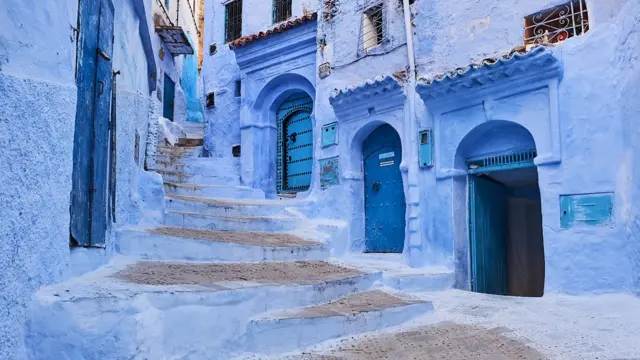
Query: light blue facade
(571,103)
(38,96)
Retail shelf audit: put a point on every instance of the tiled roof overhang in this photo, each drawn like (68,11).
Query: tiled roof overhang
(379,94)
(282,27)
(521,63)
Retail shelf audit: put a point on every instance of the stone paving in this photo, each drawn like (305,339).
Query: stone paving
(237,237)
(174,273)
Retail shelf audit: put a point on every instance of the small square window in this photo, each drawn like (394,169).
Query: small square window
(238,88)
(372,28)
(233,20)
(236,151)
(211,100)
(281,10)
(557,24)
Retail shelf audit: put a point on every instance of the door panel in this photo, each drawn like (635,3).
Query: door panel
(385,206)
(298,151)
(169,98)
(487,230)
(88,194)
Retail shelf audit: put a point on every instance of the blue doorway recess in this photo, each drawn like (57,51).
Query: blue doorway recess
(487,227)
(384,201)
(88,208)
(295,139)
(169,98)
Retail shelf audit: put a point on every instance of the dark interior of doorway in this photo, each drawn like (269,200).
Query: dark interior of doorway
(524,248)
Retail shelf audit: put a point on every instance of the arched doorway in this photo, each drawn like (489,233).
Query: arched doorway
(295,143)
(504,211)
(384,200)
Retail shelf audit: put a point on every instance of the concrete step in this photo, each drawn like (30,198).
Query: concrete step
(157,310)
(288,330)
(230,223)
(178,151)
(168,243)
(169,166)
(175,176)
(212,191)
(228,207)
(190,142)
(428,281)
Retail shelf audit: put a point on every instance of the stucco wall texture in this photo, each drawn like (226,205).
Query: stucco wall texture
(38,105)
(595,115)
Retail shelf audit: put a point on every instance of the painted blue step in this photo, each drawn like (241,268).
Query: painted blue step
(212,191)
(165,243)
(230,223)
(227,207)
(288,330)
(420,282)
(157,310)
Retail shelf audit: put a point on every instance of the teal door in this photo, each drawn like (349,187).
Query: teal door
(384,201)
(169,98)
(295,136)
(487,229)
(88,208)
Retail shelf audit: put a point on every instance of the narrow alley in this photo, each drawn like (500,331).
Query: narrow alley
(319,179)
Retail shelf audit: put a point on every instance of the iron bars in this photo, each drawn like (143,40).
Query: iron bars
(233,20)
(557,24)
(281,10)
(372,30)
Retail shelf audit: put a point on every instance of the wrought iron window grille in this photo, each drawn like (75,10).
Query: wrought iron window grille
(373,29)
(281,10)
(233,20)
(509,161)
(557,24)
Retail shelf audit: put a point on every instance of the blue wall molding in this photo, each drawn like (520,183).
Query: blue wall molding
(522,88)
(375,96)
(272,69)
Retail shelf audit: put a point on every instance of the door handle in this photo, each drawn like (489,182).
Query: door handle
(293,137)
(376,186)
(103,54)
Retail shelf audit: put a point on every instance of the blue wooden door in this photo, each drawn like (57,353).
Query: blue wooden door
(295,133)
(385,206)
(487,229)
(169,98)
(91,138)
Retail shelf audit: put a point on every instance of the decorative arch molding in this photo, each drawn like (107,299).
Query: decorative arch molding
(520,87)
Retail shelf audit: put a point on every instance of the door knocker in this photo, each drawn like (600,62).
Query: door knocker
(292,137)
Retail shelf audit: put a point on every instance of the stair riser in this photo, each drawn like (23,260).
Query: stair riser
(214,192)
(164,324)
(284,335)
(159,247)
(218,209)
(169,166)
(418,283)
(213,223)
(179,177)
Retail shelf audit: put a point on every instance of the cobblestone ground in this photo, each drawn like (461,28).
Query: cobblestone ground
(477,326)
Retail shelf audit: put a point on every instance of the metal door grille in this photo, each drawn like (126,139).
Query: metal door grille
(295,160)
(281,10)
(233,20)
(509,161)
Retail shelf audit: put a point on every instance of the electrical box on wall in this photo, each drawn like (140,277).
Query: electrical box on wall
(586,210)
(330,134)
(426,148)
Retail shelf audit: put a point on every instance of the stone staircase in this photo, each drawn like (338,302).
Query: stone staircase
(225,276)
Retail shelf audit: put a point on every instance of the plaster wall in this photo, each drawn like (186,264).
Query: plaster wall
(581,259)
(38,101)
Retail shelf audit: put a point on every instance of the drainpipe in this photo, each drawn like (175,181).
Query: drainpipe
(412,254)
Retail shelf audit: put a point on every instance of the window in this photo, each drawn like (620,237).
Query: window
(281,10)
(557,24)
(211,100)
(238,88)
(233,20)
(372,28)
(166,3)
(236,151)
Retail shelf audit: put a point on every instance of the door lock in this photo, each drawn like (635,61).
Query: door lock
(376,186)
(103,54)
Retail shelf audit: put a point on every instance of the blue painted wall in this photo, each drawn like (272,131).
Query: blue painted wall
(581,123)
(39,103)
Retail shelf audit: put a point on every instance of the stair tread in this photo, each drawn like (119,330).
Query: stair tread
(238,237)
(238,218)
(205,186)
(224,201)
(374,300)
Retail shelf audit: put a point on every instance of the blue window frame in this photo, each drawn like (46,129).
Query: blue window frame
(166,3)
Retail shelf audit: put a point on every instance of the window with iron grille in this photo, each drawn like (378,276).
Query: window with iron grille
(281,10)
(557,23)
(233,20)
(372,30)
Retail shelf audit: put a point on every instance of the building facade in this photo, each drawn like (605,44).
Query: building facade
(486,142)
(79,91)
